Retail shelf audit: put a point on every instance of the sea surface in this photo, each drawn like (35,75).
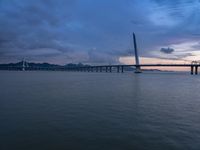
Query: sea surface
(41,110)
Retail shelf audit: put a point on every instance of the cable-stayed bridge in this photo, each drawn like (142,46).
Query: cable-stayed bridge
(106,68)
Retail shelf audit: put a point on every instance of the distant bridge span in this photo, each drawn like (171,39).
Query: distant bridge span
(194,65)
(102,68)
(120,68)
(152,65)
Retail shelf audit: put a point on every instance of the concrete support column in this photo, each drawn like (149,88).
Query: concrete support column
(118,69)
(192,69)
(110,68)
(100,69)
(196,70)
(122,69)
(106,69)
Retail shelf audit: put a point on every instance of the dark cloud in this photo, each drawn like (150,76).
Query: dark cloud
(167,50)
(66,29)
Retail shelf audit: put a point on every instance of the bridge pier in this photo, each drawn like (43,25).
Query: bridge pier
(106,69)
(122,69)
(192,70)
(100,69)
(110,68)
(196,70)
(118,69)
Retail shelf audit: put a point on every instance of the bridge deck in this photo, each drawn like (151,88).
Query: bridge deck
(100,68)
(151,65)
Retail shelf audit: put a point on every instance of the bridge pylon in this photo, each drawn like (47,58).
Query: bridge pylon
(137,68)
(24,65)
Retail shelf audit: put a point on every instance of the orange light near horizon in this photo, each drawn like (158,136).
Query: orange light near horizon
(147,60)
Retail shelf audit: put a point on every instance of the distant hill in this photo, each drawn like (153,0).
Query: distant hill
(32,64)
(38,66)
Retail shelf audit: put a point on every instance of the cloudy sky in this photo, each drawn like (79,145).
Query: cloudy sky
(99,31)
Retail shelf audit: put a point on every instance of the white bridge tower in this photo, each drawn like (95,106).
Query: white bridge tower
(137,69)
(24,65)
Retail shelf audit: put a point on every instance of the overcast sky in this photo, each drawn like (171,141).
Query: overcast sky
(98,31)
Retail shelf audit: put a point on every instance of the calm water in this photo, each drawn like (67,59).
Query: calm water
(99,111)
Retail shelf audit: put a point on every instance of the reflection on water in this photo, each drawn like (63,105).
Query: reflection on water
(62,110)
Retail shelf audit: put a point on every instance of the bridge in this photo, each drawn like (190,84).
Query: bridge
(103,68)
(107,68)
(194,65)
(120,68)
